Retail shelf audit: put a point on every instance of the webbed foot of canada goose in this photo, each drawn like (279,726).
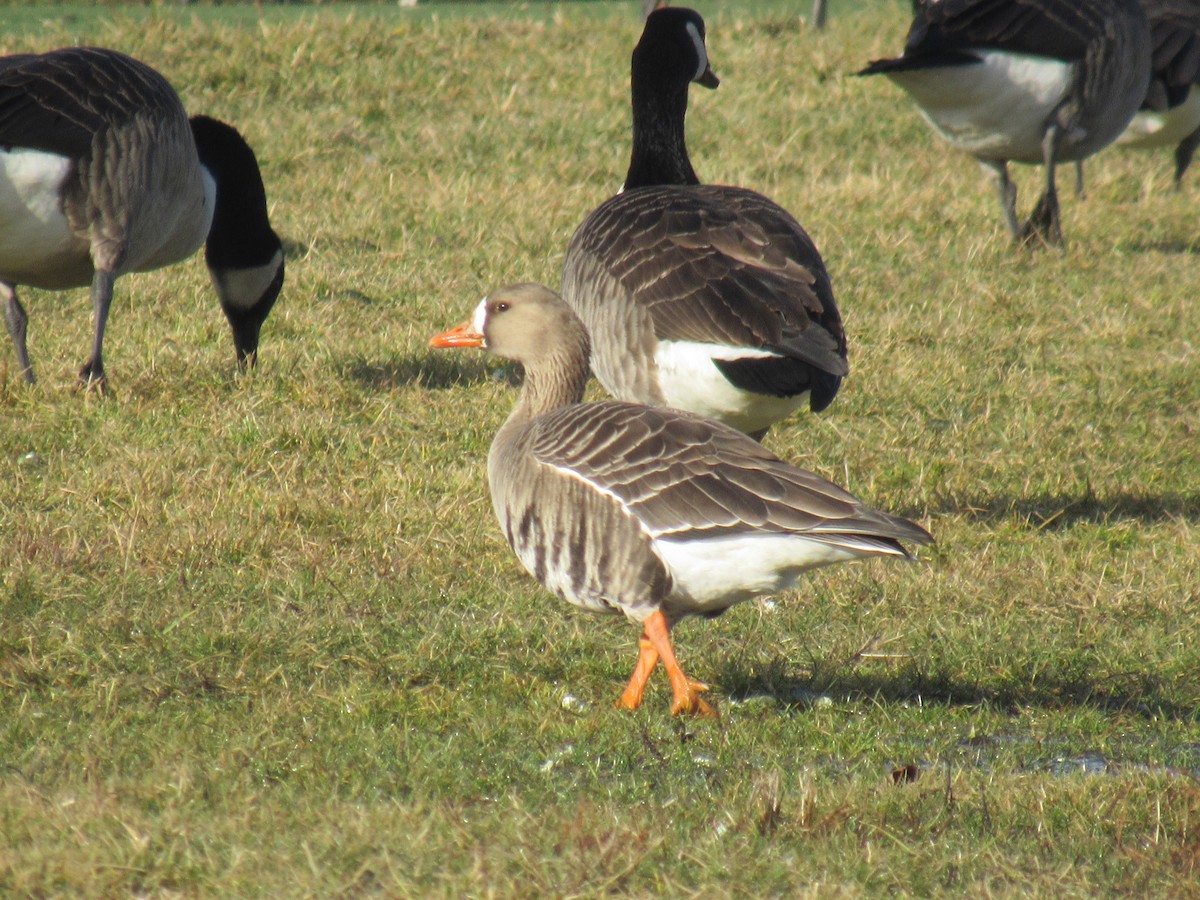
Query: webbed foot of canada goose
(92,379)
(1044,227)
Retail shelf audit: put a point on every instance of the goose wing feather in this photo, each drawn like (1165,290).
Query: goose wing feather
(1061,29)
(57,102)
(687,477)
(717,265)
(1175,34)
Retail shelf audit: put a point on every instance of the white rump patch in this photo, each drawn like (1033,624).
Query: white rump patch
(690,380)
(715,573)
(996,109)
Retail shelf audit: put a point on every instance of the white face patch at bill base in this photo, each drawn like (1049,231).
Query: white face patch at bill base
(480,319)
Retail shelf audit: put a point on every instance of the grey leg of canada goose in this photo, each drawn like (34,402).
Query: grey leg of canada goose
(92,373)
(1079,191)
(16,319)
(1183,154)
(1006,191)
(820,14)
(1044,222)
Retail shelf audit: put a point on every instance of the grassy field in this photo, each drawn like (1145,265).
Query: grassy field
(261,636)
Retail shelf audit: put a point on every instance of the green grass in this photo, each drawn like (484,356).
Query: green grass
(261,636)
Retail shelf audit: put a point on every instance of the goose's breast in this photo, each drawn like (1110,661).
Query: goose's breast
(173,221)
(37,245)
(996,109)
(690,380)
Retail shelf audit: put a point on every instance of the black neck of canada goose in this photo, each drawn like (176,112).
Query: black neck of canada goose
(670,55)
(243,253)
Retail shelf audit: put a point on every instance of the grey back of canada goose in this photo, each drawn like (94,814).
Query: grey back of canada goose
(652,512)
(102,173)
(1170,114)
(701,297)
(1032,81)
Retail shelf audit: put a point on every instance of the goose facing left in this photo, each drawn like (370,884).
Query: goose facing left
(652,512)
(102,173)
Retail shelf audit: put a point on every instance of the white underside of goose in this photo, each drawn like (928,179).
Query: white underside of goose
(1150,128)
(996,109)
(37,246)
(690,380)
(713,574)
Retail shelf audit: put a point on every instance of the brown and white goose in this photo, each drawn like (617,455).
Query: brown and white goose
(1032,81)
(102,173)
(652,512)
(702,297)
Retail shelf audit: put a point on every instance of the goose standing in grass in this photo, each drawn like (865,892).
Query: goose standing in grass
(702,297)
(651,512)
(1170,114)
(102,173)
(1032,81)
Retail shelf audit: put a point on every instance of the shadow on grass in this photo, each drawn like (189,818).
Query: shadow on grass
(1053,512)
(1142,694)
(1178,248)
(434,371)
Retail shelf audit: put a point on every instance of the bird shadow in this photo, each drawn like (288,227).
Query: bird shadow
(1142,694)
(1049,512)
(437,372)
(1174,248)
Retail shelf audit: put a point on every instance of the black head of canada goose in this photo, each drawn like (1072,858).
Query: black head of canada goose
(701,297)
(102,173)
(1031,81)
(652,512)
(1170,114)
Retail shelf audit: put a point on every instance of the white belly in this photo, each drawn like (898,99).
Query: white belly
(37,247)
(691,381)
(996,109)
(1150,128)
(713,574)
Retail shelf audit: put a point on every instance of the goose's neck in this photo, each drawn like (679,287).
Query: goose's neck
(551,383)
(659,148)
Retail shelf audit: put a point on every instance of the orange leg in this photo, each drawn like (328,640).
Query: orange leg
(647,660)
(657,635)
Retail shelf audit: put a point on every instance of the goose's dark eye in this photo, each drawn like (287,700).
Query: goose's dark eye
(499,307)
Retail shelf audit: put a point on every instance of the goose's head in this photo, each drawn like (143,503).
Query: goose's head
(526,323)
(672,49)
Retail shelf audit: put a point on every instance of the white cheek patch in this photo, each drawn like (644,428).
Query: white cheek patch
(701,53)
(480,319)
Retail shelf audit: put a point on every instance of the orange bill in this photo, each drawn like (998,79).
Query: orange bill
(464,335)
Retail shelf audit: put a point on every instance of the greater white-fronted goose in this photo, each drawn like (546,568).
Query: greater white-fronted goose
(102,173)
(652,512)
(1170,114)
(701,297)
(1032,81)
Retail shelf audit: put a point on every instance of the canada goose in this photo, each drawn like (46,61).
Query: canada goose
(651,512)
(701,297)
(1170,113)
(102,173)
(1033,81)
